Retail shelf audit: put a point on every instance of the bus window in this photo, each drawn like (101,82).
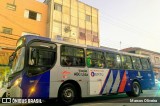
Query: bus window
(126,62)
(45,58)
(110,60)
(72,56)
(41,61)
(113,61)
(145,64)
(136,63)
(41,57)
(95,59)
(117,61)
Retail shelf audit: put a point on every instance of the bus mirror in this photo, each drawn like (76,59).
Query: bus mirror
(11,58)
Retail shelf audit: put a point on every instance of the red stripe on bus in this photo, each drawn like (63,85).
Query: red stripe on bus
(123,83)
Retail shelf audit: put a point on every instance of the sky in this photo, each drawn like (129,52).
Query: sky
(128,23)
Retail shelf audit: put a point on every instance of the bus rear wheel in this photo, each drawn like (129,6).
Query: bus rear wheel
(135,90)
(67,94)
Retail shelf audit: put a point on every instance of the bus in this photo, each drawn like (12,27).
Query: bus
(46,68)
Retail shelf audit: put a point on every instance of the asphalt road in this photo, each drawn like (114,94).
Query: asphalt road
(121,100)
(110,100)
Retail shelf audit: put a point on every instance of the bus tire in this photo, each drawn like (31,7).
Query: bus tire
(67,94)
(135,89)
(129,93)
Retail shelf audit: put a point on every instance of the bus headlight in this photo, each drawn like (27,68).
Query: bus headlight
(32,90)
(17,81)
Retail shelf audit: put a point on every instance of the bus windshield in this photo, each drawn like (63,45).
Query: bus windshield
(18,60)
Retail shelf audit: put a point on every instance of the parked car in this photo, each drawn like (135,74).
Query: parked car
(157,83)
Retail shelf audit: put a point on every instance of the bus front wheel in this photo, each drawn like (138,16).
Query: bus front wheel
(67,94)
(135,89)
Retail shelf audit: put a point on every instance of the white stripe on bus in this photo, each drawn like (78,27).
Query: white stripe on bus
(116,83)
(108,84)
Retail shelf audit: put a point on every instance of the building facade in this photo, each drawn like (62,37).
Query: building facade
(73,21)
(17,18)
(154,57)
(68,20)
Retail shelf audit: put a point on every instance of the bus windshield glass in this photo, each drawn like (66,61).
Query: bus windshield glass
(18,60)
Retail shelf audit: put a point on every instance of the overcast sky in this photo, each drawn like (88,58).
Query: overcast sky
(134,23)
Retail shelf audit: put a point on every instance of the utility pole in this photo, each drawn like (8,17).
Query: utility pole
(120,45)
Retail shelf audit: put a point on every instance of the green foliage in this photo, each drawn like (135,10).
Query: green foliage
(4,71)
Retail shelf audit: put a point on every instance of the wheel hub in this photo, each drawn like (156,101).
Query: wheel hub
(136,88)
(68,94)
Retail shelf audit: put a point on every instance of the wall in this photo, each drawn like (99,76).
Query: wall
(70,23)
(12,16)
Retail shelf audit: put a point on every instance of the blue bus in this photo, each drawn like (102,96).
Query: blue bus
(46,68)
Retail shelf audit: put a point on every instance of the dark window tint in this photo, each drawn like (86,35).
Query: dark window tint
(72,56)
(42,57)
(110,60)
(32,15)
(136,63)
(45,58)
(113,61)
(145,64)
(95,59)
(126,62)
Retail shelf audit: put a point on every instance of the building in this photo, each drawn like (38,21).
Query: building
(108,48)
(73,21)
(68,20)
(17,18)
(154,57)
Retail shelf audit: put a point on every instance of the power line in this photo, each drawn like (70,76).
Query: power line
(127,25)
